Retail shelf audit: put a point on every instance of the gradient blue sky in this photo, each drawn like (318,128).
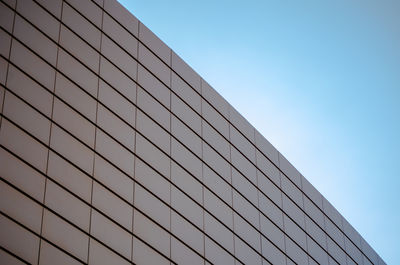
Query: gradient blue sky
(319,79)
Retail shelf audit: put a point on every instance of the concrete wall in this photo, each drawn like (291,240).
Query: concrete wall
(113,151)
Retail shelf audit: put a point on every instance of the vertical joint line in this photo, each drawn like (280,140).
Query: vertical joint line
(135,140)
(95,135)
(230,166)
(202,168)
(170,152)
(8,60)
(51,127)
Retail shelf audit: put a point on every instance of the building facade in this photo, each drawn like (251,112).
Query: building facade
(114,151)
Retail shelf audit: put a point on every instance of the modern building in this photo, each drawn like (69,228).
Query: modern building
(114,151)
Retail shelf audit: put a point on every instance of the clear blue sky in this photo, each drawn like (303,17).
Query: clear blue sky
(319,79)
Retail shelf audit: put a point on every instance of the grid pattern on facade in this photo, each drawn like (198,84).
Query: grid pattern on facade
(113,151)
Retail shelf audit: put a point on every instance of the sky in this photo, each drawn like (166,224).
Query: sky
(319,79)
